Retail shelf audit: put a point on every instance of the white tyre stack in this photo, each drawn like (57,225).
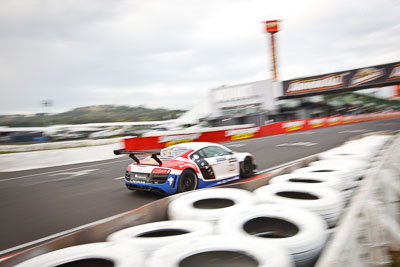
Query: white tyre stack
(372,143)
(349,176)
(209,205)
(326,202)
(312,179)
(364,149)
(103,254)
(358,166)
(221,251)
(346,174)
(301,232)
(151,236)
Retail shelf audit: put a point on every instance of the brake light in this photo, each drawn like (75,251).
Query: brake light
(161,171)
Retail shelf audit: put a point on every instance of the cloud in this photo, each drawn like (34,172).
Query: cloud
(170,53)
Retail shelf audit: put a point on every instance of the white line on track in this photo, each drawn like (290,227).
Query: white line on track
(356,131)
(298,144)
(44,173)
(119,178)
(304,133)
(236,145)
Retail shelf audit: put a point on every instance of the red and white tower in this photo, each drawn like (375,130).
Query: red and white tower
(271,26)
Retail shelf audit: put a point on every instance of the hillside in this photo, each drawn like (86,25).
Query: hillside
(104,113)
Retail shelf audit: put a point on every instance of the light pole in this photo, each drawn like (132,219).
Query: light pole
(46,103)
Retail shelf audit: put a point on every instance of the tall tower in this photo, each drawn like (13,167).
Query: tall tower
(271,27)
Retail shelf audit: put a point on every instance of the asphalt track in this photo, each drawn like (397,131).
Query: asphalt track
(37,203)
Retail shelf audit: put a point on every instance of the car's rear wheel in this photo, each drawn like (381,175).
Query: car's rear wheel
(246,168)
(187,181)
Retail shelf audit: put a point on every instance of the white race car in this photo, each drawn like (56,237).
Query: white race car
(186,167)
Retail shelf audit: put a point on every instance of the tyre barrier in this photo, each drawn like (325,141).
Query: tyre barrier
(346,153)
(300,231)
(151,236)
(348,175)
(357,165)
(102,254)
(372,142)
(312,179)
(209,205)
(221,251)
(364,149)
(326,202)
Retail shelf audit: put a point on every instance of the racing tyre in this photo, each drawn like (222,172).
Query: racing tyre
(93,254)
(210,204)
(344,173)
(221,251)
(323,201)
(187,181)
(357,165)
(347,153)
(151,236)
(246,168)
(312,180)
(298,230)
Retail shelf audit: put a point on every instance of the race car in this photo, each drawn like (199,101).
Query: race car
(186,167)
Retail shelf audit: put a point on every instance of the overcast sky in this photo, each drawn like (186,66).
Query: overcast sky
(170,53)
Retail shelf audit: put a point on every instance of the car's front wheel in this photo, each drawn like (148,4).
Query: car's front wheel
(246,168)
(187,181)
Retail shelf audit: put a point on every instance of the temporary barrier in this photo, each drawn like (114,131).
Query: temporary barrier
(146,238)
(92,254)
(158,142)
(298,230)
(370,227)
(221,250)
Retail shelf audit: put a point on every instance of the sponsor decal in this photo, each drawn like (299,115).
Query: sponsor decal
(395,73)
(333,121)
(139,181)
(242,133)
(348,119)
(366,75)
(170,181)
(315,123)
(325,82)
(178,139)
(293,125)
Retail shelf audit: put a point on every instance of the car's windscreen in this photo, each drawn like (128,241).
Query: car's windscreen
(171,153)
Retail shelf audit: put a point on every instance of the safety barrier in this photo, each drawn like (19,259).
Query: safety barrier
(157,142)
(370,228)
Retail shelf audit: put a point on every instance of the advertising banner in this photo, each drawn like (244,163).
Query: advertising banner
(158,142)
(350,80)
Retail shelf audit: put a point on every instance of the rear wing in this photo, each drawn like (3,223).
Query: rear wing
(132,154)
